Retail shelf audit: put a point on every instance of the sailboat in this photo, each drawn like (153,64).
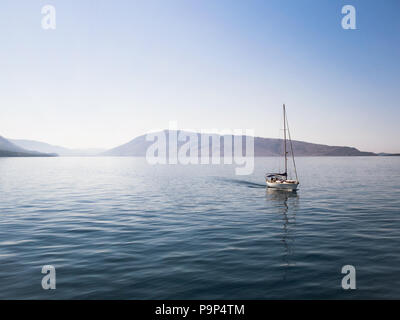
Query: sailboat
(280,180)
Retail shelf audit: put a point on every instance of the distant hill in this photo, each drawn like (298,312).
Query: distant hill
(263,147)
(9,149)
(48,148)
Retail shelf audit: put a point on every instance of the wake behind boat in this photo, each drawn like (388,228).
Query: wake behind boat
(280,180)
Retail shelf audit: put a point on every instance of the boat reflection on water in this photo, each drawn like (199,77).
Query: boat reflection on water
(287,203)
(282,196)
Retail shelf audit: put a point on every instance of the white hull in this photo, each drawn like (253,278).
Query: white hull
(283,185)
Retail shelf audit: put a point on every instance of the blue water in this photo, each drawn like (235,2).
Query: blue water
(120,228)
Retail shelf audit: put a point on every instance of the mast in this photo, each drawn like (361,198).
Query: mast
(291,149)
(284,140)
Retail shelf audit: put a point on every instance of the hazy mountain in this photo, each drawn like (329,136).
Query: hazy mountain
(274,147)
(6,145)
(48,148)
(136,147)
(9,149)
(263,147)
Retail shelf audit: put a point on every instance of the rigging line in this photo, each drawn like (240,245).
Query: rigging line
(284,141)
(278,162)
(291,147)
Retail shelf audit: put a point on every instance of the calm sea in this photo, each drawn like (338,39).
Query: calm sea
(120,228)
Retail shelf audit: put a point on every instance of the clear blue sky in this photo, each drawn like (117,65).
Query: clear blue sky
(113,70)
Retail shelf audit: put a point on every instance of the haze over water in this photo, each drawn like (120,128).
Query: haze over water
(120,228)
